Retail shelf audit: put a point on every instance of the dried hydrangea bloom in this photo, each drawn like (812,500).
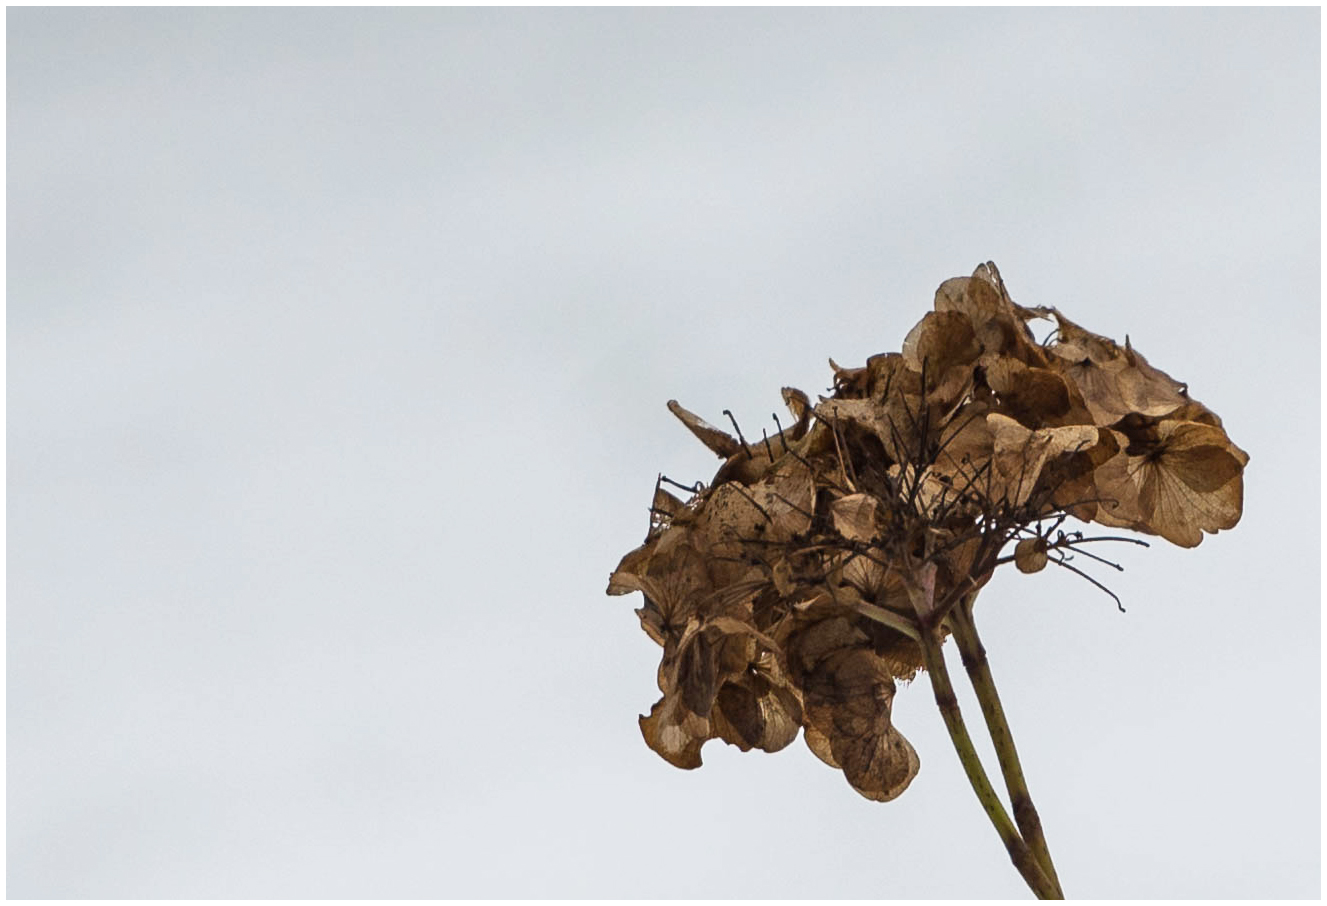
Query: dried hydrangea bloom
(791,590)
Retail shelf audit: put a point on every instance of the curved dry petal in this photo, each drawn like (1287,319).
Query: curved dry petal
(966,447)
(800,406)
(674,579)
(1019,454)
(996,322)
(675,733)
(1113,380)
(1073,477)
(1118,488)
(849,382)
(1194,411)
(1176,480)
(1030,555)
(666,506)
(623,580)
(856,516)
(888,373)
(719,441)
(1193,484)
(1037,397)
(819,744)
(787,493)
(712,652)
(752,712)
(939,341)
(893,423)
(696,671)
(846,698)
(1149,390)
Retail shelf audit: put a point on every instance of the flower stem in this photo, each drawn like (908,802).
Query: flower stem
(1019,853)
(983,683)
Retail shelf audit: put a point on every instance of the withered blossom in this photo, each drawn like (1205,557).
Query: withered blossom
(829,559)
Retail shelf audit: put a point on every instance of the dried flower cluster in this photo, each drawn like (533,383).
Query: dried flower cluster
(790,592)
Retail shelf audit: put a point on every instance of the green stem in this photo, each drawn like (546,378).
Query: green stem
(983,683)
(1019,853)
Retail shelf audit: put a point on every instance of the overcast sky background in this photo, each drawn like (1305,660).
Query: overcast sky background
(339,343)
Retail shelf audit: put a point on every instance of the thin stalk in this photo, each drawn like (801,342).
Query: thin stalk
(1019,853)
(983,683)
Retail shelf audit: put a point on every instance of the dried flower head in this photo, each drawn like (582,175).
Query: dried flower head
(791,591)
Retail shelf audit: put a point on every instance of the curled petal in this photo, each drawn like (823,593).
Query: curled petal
(675,733)
(1030,555)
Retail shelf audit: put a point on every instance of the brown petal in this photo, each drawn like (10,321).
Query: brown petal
(753,712)
(1030,555)
(665,504)
(997,325)
(889,374)
(675,733)
(1117,482)
(819,744)
(1019,454)
(1113,380)
(1195,484)
(721,442)
(697,670)
(1149,390)
(939,341)
(846,702)
(1074,477)
(1175,479)
(816,642)
(856,516)
(1035,396)
(849,382)
(892,422)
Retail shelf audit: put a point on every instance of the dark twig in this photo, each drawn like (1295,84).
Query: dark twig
(729,413)
(697,488)
(1074,569)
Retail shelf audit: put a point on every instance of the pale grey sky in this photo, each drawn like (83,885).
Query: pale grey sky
(339,342)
